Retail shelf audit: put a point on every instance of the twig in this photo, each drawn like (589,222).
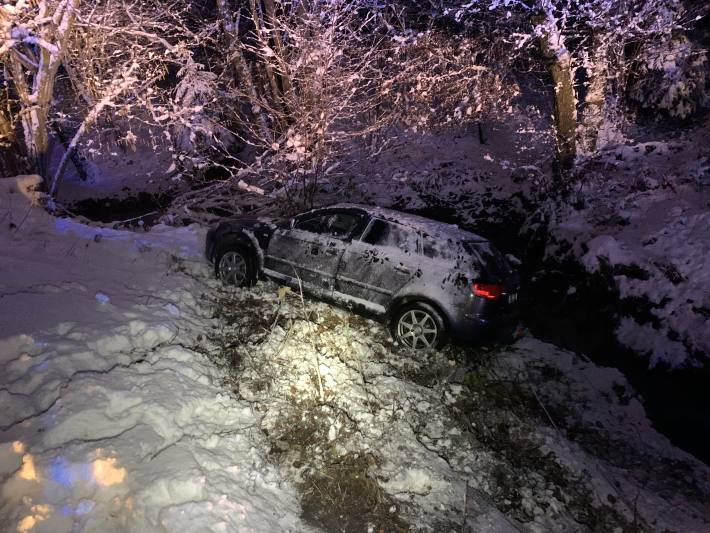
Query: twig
(315,352)
(27,213)
(320,378)
(465,508)
(276,317)
(546,413)
(135,218)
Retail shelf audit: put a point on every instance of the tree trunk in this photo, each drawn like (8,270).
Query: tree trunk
(560,65)
(242,71)
(283,71)
(593,112)
(36,97)
(269,71)
(8,142)
(35,107)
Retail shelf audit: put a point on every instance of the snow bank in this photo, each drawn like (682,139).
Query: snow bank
(645,223)
(112,419)
(607,248)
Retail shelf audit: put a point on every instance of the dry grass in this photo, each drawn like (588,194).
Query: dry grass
(342,497)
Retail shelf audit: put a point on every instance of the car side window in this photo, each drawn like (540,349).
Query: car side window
(314,224)
(338,225)
(343,224)
(384,233)
(429,247)
(439,248)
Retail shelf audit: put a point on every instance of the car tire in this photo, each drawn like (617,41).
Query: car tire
(234,266)
(419,326)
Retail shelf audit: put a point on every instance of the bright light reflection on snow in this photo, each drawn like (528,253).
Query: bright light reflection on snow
(101,472)
(39,513)
(28,468)
(106,473)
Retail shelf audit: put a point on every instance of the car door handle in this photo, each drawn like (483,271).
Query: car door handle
(403,269)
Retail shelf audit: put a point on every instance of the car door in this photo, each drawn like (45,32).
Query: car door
(310,251)
(378,265)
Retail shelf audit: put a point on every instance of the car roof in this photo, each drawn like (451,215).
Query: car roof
(423,224)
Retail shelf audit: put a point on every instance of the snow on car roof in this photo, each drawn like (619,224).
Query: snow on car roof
(426,225)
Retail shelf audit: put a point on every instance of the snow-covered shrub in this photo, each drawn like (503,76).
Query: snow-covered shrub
(313,83)
(305,82)
(198,136)
(673,77)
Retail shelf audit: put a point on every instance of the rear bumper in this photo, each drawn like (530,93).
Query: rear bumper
(481,330)
(486,322)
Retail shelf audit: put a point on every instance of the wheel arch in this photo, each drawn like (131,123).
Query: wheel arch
(240,239)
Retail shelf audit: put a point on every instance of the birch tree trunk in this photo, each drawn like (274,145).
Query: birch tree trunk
(37,110)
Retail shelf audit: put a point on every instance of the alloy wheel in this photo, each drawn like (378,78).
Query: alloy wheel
(233,269)
(417,329)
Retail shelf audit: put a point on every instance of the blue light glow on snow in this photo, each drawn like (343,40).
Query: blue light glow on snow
(61,472)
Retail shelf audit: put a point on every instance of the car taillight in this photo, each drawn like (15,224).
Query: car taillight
(489,291)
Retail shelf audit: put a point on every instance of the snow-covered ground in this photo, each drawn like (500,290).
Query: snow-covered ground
(140,396)
(111,420)
(115,170)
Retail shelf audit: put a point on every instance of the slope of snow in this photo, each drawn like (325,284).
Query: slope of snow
(645,220)
(114,419)
(111,417)
(453,440)
(453,165)
(115,169)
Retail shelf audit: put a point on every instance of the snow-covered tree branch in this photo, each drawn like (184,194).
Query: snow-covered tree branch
(114,56)
(33,41)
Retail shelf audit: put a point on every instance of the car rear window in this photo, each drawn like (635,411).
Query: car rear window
(491,259)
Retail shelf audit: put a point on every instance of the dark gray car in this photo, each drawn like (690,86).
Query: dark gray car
(430,281)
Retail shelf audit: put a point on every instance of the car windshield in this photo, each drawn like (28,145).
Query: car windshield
(282,222)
